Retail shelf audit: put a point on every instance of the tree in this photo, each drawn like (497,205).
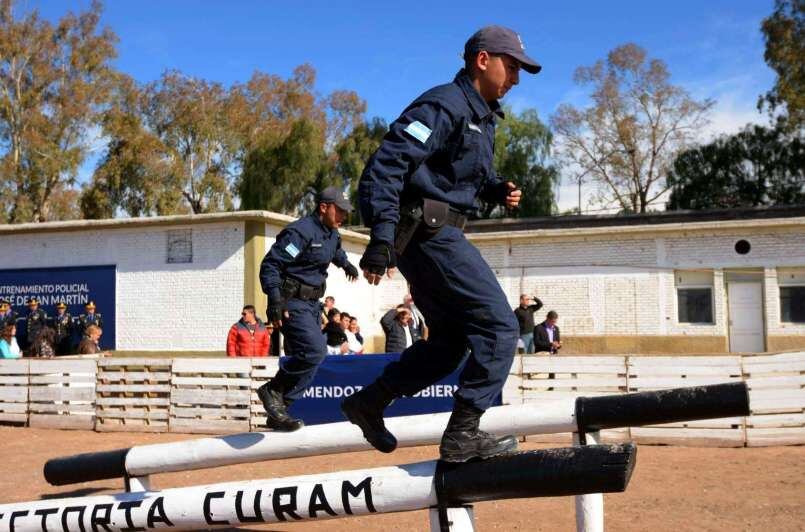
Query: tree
(628,137)
(53,87)
(522,147)
(278,176)
(353,152)
(784,33)
(758,166)
(294,144)
(136,174)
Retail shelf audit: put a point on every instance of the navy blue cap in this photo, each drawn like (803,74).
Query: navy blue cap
(500,40)
(337,196)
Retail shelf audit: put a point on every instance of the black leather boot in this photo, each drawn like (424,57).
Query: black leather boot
(463,441)
(272,396)
(365,409)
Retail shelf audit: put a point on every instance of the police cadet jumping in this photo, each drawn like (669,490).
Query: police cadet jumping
(293,275)
(415,194)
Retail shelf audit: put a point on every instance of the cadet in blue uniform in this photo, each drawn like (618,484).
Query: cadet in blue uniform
(90,318)
(293,275)
(415,194)
(62,324)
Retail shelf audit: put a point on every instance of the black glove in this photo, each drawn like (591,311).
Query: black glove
(351,271)
(276,309)
(378,257)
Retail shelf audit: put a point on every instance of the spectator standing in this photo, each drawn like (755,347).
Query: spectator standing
(90,343)
(525,318)
(62,324)
(546,334)
(329,303)
(249,337)
(43,346)
(8,342)
(418,325)
(35,321)
(396,323)
(354,338)
(334,331)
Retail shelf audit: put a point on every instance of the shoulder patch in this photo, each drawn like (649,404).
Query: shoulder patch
(418,130)
(474,127)
(292,250)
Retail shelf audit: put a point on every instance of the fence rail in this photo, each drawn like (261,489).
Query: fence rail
(206,395)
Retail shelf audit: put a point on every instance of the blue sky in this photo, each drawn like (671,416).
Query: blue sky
(390,52)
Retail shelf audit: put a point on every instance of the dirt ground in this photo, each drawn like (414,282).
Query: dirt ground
(673,488)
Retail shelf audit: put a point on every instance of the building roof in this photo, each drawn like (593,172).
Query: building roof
(156,221)
(614,220)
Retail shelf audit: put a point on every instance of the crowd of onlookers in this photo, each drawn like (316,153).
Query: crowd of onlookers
(47,336)
(251,337)
(541,337)
(403,325)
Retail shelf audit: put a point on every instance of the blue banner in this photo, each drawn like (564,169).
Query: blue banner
(340,376)
(75,286)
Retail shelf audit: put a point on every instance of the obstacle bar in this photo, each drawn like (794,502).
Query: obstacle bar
(542,473)
(583,414)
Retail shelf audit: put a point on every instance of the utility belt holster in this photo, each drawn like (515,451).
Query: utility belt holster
(423,219)
(291,288)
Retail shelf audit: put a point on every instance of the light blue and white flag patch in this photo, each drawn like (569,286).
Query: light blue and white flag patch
(292,250)
(418,130)
(473,127)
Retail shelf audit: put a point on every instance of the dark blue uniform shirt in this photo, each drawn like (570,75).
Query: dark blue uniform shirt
(302,251)
(441,147)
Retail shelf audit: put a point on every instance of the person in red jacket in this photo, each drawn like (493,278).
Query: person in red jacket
(249,337)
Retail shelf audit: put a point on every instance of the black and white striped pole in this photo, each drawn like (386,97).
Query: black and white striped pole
(448,488)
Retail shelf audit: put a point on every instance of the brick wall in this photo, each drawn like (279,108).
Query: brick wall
(160,306)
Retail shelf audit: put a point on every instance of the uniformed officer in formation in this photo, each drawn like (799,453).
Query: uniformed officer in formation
(62,324)
(89,318)
(415,194)
(36,320)
(293,275)
(7,314)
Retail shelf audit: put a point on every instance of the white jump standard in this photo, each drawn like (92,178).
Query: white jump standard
(544,473)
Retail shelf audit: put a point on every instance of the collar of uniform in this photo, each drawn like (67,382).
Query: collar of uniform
(479,106)
(317,220)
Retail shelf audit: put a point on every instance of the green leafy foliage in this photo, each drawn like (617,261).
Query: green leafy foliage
(756,167)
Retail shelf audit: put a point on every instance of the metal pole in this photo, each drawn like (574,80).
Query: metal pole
(589,507)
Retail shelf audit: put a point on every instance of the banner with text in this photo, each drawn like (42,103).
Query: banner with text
(341,376)
(75,286)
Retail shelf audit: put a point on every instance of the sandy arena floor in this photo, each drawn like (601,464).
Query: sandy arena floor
(673,488)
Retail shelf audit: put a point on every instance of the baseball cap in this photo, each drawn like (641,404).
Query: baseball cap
(500,40)
(337,196)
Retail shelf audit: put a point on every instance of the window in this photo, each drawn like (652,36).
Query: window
(792,295)
(180,246)
(694,296)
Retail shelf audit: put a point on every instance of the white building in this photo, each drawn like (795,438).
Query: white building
(660,283)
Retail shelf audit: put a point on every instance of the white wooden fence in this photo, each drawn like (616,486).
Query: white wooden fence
(217,395)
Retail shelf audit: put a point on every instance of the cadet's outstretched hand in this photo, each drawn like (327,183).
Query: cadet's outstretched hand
(351,271)
(378,259)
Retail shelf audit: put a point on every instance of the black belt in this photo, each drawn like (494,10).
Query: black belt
(291,288)
(456,219)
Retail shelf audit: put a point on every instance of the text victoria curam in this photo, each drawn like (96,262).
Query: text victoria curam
(188,507)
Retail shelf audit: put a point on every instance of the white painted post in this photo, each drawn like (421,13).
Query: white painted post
(133,484)
(590,507)
(459,518)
